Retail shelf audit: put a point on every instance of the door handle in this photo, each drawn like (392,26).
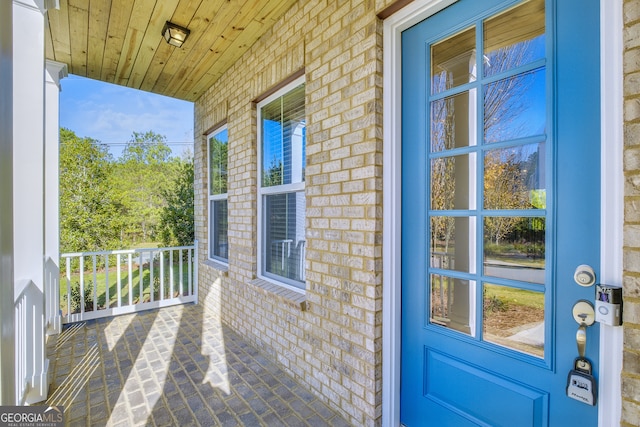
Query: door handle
(584,315)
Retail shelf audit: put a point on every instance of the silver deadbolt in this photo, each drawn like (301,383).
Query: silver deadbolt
(584,275)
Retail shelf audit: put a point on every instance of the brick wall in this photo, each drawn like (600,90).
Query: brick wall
(631,364)
(330,338)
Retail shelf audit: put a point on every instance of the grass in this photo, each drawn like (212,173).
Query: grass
(515,296)
(123,284)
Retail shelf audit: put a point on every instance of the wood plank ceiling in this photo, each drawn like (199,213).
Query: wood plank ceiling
(120,41)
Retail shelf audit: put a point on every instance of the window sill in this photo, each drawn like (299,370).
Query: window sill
(293,298)
(222,268)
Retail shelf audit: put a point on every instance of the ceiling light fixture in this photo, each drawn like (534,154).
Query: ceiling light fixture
(174,34)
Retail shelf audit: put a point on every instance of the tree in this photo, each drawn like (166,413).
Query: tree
(145,170)
(89,204)
(176,218)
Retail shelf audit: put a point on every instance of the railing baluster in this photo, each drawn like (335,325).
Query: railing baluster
(190,278)
(118,278)
(95,285)
(140,275)
(69,287)
(81,285)
(130,270)
(181,281)
(107,303)
(172,293)
(151,283)
(161,275)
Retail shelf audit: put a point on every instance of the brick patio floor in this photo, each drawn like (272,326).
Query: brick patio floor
(173,366)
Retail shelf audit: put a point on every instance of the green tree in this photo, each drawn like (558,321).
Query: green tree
(145,171)
(89,204)
(176,218)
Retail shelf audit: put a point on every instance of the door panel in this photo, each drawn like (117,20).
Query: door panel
(500,203)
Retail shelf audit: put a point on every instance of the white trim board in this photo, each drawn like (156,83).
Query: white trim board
(611,202)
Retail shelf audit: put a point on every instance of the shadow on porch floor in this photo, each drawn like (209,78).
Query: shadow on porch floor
(173,366)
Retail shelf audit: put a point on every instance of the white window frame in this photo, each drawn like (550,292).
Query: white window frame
(216,197)
(266,191)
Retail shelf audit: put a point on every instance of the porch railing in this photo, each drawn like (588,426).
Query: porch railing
(109,283)
(32,366)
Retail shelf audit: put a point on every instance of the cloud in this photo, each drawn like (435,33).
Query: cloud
(111,113)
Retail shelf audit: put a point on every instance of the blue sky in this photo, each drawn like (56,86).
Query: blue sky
(111,113)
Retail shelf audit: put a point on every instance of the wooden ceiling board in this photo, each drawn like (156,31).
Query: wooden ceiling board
(79,36)
(150,41)
(59,34)
(264,20)
(184,12)
(225,27)
(120,41)
(200,30)
(99,11)
(118,24)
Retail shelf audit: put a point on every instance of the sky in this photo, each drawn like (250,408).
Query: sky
(111,113)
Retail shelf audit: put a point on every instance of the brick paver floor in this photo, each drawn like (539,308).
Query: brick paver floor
(173,367)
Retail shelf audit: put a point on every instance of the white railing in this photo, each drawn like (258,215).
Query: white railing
(109,283)
(32,366)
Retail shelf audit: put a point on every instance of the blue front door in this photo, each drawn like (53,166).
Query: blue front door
(500,204)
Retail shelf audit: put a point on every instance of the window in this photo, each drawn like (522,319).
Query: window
(281,199)
(218,222)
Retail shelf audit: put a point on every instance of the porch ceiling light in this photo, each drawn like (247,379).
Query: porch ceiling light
(174,34)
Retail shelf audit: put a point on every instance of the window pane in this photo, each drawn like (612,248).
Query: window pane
(284,236)
(453,61)
(514,38)
(218,244)
(514,178)
(450,303)
(515,107)
(452,121)
(453,182)
(453,243)
(514,318)
(284,139)
(218,163)
(514,248)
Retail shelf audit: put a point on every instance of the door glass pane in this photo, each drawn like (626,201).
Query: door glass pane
(514,38)
(453,61)
(514,178)
(450,303)
(514,318)
(453,182)
(514,107)
(453,243)
(453,121)
(514,248)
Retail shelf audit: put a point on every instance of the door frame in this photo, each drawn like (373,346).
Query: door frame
(611,209)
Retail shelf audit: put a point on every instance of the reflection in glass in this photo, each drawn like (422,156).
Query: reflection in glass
(514,107)
(514,177)
(514,318)
(450,303)
(451,119)
(219,245)
(284,235)
(453,243)
(514,248)
(218,163)
(514,38)
(284,139)
(453,182)
(453,61)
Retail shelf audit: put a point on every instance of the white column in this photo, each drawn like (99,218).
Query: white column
(28,188)
(7,348)
(55,71)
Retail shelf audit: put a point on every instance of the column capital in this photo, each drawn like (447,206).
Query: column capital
(56,71)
